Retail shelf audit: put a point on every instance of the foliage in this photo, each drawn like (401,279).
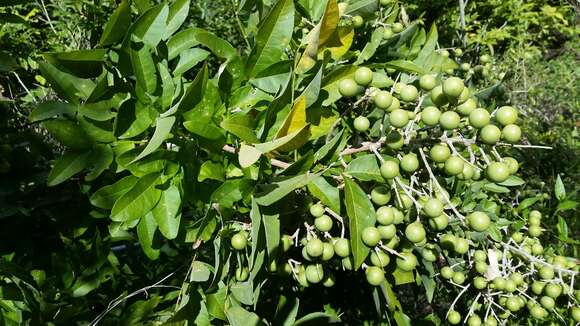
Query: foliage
(207,166)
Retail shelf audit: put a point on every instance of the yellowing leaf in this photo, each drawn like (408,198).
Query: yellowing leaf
(340,42)
(248,155)
(329,22)
(295,120)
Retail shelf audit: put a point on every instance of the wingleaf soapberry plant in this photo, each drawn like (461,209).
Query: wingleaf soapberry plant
(341,148)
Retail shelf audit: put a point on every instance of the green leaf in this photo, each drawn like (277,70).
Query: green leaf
(242,126)
(286,311)
(287,143)
(327,148)
(81,63)
(238,316)
(195,91)
(51,109)
(178,12)
(167,214)
(405,66)
(117,25)
(371,47)
(562,229)
(527,203)
(559,189)
(67,166)
(243,292)
(101,158)
(428,47)
(362,7)
(66,85)
(146,233)
(162,130)
(316,318)
(495,188)
(106,196)
(277,190)
(168,87)
(212,171)
(189,59)
(84,285)
(365,168)
(138,201)
(512,181)
(150,27)
(312,91)
(231,192)
(133,118)
(567,205)
(330,82)
(327,193)
(68,133)
(429,285)
(403,277)
(361,214)
(144,67)
(248,155)
(271,222)
(205,128)
(200,271)
(215,303)
(273,36)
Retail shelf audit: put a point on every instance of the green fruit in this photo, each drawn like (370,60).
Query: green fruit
(479,283)
(314,273)
(327,251)
(409,93)
(427,82)
(409,163)
(465,66)
(534,231)
(239,240)
(399,217)
(242,274)
(457,52)
(394,140)
(518,237)
(430,115)
(490,134)
(383,99)
(375,275)
(342,247)
(399,118)
(506,115)
(512,163)
(510,286)
(348,87)
(305,254)
(433,207)
(387,33)
(534,220)
(511,133)
(497,172)
(537,249)
(535,214)
(537,311)
(347,263)
(479,118)
(461,246)
(380,195)
(397,27)
(415,232)
(444,53)
(438,97)
(449,120)
(513,304)
(361,124)
(517,277)
(363,76)
(453,317)
(395,105)
(478,221)
(467,107)
(481,267)
(547,302)
(385,215)
(371,236)
(575,313)
(439,153)
(286,270)
(389,169)
(452,87)
(329,281)
(479,255)
(467,172)
(458,278)
(474,320)
(454,165)
(314,247)
(447,272)
(387,231)
(286,242)
(546,272)
(316,210)
(323,223)
(380,259)
(407,262)
(357,21)
(485,58)
(439,223)
(405,202)
(499,283)
(553,290)
(429,254)
(464,96)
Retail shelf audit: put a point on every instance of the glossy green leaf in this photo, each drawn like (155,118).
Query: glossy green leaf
(103,110)
(138,201)
(68,133)
(189,59)
(101,159)
(559,189)
(212,171)
(243,292)
(150,27)
(512,181)
(205,128)
(362,7)
(405,66)
(146,234)
(106,197)
(271,222)
(365,168)
(287,143)
(117,25)
(51,109)
(66,85)
(167,214)
(286,311)
(312,91)
(361,214)
(242,126)
(273,37)
(178,12)
(144,67)
(277,190)
(133,119)
(238,316)
(200,271)
(248,155)
(80,63)
(371,47)
(327,193)
(195,91)
(231,192)
(67,166)
(162,130)
(216,303)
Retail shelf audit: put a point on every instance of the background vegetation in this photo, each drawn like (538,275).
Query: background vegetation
(49,238)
